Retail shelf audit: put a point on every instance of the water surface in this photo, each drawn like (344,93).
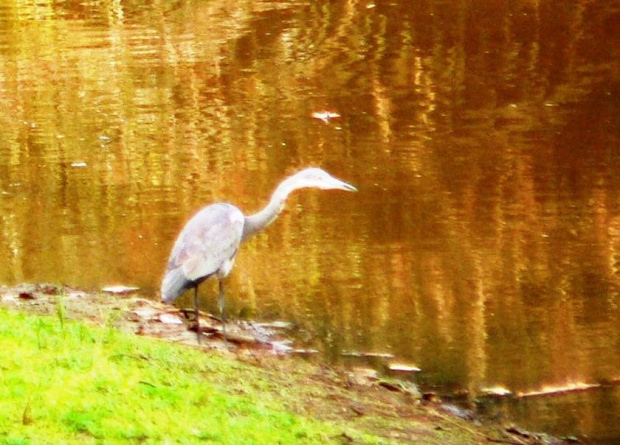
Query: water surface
(483,246)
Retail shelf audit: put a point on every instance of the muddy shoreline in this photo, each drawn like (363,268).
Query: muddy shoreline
(262,344)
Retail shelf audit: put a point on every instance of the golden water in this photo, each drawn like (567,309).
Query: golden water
(483,245)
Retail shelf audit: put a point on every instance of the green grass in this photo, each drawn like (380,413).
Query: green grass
(65,382)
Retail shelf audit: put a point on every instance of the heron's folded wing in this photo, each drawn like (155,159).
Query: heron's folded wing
(209,239)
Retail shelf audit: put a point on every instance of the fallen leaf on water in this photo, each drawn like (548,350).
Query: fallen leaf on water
(120,289)
(325,116)
(549,390)
(367,354)
(401,367)
(496,391)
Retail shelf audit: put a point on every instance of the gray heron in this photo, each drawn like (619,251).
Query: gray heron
(208,243)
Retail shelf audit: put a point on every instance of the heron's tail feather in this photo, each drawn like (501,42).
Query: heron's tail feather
(173,285)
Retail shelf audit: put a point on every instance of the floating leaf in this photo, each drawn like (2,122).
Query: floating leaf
(496,391)
(386,355)
(401,367)
(552,390)
(325,116)
(120,289)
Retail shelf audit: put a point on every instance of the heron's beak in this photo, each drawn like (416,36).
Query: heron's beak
(348,187)
(341,185)
(335,183)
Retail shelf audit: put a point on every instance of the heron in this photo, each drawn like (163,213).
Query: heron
(209,241)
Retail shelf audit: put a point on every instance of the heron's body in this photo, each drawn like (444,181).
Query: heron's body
(207,246)
(208,243)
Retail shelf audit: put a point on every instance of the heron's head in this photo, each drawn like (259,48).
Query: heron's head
(317,178)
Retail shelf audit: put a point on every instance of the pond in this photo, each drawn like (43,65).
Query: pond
(483,245)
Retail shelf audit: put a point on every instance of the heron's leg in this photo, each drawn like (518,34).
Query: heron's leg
(222,305)
(197,314)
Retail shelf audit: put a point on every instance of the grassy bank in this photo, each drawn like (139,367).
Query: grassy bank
(70,382)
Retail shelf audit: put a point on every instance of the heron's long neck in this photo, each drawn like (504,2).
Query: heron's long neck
(258,221)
